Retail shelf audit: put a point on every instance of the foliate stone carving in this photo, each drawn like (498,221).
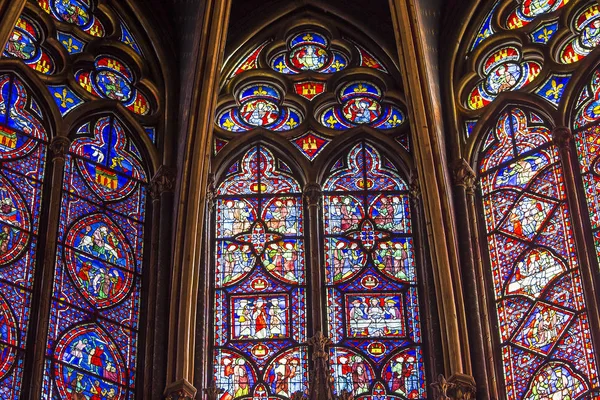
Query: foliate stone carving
(59,146)
(441,388)
(414,187)
(298,396)
(464,175)
(562,136)
(163,181)
(345,395)
(458,387)
(463,387)
(213,392)
(180,390)
(313,195)
(321,379)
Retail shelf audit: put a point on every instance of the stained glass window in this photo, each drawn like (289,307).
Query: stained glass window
(543,327)
(260,280)
(370,297)
(94,320)
(371,279)
(587,141)
(23,148)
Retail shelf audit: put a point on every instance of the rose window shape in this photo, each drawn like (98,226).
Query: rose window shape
(260,107)
(308,51)
(360,104)
(112,79)
(502,71)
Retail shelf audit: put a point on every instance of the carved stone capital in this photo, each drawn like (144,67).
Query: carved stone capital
(464,387)
(163,181)
(414,188)
(212,392)
(345,395)
(59,146)
(464,175)
(319,344)
(180,390)
(562,136)
(313,194)
(458,387)
(298,396)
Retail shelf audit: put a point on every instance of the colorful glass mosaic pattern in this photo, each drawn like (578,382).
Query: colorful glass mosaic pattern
(542,321)
(373,313)
(502,71)
(260,280)
(94,320)
(554,87)
(486,29)
(250,62)
(587,35)
(260,106)
(25,43)
(113,79)
(65,98)
(528,10)
(360,104)
(588,103)
(309,51)
(23,149)
(75,12)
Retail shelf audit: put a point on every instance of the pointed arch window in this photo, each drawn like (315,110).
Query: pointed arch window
(73,226)
(524,77)
(347,268)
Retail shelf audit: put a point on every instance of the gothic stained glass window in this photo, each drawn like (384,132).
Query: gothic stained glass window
(543,327)
(23,146)
(371,281)
(260,280)
(587,141)
(94,318)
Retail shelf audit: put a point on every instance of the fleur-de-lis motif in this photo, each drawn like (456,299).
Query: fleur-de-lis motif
(64,98)
(338,65)
(360,89)
(228,124)
(308,37)
(70,45)
(292,123)
(331,121)
(556,89)
(394,121)
(281,66)
(260,91)
(545,35)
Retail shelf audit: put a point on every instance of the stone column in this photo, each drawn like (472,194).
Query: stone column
(189,291)
(473,278)
(458,387)
(59,146)
(161,192)
(431,164)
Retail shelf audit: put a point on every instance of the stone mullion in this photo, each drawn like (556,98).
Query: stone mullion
(58,148)
(476,293)
(156,283)
(563,139)
(314,199)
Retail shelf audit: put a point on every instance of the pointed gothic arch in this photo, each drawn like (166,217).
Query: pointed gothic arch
(103,98)
(523,64)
